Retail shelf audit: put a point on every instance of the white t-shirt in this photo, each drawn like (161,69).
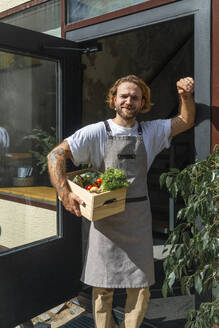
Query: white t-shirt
(88,143)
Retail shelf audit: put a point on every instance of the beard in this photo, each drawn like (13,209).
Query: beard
(127,114)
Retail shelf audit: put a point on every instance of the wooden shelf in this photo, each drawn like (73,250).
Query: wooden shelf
(41,196)
(15,156)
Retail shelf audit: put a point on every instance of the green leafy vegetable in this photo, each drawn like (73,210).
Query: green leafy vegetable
(114,179)
(86,178)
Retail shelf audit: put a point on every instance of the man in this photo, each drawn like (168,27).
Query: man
(4,145)
(4,141)
(120,247)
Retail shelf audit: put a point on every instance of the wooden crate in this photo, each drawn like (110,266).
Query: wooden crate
(98,206)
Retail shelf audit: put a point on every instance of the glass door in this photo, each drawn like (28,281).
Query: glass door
(39,242)
(29,93)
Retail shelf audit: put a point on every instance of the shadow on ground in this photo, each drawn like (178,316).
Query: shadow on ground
(86,321)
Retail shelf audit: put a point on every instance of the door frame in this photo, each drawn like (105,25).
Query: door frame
(201,10)
(41,275)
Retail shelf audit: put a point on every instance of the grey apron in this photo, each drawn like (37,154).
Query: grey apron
(120,248)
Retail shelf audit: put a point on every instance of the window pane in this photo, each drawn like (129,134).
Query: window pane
(28,91)
(45,18)
(83,9)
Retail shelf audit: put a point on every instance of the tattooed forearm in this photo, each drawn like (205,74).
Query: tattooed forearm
(57,167)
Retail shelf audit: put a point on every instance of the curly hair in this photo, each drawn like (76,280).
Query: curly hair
(146,93)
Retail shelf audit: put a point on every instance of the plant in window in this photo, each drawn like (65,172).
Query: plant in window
(194,255)
(42,143)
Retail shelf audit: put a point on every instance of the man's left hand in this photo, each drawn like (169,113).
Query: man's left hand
(185,86)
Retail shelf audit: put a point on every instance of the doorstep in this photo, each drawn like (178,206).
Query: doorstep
(162,313)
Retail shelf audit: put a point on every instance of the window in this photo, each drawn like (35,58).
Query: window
(83,9)
(45,17)
(28,89)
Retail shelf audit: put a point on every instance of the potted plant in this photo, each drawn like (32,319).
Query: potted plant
(42,143)
(193,259)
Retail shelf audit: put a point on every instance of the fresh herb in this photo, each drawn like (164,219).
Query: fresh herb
(114,179)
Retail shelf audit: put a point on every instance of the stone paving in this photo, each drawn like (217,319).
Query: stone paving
(55,317)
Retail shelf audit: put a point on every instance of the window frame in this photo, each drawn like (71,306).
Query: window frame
(201,9)
(21,7)
(108,16)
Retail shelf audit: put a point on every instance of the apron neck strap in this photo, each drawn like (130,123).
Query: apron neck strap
(139,129)
(109,131)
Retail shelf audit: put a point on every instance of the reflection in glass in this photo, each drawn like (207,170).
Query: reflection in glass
(27,132)
(45,17)
(83,9)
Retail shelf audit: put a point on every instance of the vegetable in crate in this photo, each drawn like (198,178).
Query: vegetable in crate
(87,178)
(78,180)
(114,179)
(95,182)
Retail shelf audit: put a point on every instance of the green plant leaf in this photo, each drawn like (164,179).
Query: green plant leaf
(165,289)
(171,279)
(206,239)
(186,238)
(198,284)
(42,143)
(162,179)
(169,181)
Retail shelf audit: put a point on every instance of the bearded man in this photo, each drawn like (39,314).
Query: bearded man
(120,247)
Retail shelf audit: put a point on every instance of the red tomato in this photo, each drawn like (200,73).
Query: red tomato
(99,181)
(88,187)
